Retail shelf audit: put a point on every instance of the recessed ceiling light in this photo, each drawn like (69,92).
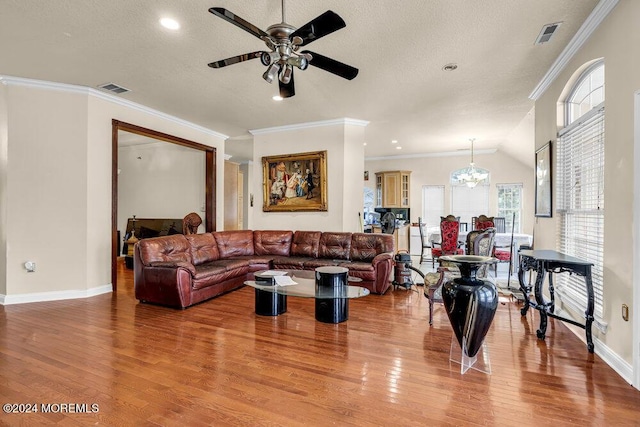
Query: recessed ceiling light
(169,23)
(364,143)
(398,148)
(277,98)
(450,67)
(394,141)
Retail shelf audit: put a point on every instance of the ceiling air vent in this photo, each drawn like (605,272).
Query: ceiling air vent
(114,88)
(546,33)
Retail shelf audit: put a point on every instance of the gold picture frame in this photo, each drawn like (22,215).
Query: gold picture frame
(295,182)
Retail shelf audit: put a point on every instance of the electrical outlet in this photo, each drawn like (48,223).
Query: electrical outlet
(625,312)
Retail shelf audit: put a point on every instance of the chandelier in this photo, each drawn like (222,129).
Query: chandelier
(472,176)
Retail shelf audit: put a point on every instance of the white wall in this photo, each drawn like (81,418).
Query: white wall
(437,171)
(343,142)
(615,40)
(58,185)
(150,174)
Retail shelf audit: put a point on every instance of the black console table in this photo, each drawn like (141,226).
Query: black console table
(543,261)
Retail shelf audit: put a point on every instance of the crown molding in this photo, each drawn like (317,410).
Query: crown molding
(343,121)
(84,90)
(595,18)
(441,154)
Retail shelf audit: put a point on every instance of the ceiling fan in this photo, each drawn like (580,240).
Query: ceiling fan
(284,41)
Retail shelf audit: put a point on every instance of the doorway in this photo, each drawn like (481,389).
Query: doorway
(209,178)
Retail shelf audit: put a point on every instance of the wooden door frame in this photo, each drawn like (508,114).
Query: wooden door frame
(210,181)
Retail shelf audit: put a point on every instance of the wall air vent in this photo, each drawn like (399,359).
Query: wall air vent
(546,33)
(111,87)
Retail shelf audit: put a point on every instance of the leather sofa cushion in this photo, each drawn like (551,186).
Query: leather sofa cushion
(174,248)
(234,243)
(256,259)
(305,244)
(213,273)
(319,262)
(203,248)
(334,245)
(365,246)
(290,262)
(361,270)
(272,242)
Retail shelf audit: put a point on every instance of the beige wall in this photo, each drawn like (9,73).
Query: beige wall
(58,185)
(616,40)
(437,171)
(345,153)
(152,173)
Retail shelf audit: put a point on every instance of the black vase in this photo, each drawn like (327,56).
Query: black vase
(470,302)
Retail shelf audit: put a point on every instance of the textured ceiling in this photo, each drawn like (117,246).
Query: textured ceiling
(399,47)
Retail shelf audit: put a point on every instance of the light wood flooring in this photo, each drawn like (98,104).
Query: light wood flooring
(218,364)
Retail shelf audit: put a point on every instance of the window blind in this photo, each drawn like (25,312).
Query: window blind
(432,204)
(469,202)
(580,205)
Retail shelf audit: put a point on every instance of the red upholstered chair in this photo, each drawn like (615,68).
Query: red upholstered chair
(482,222)
(502,253)
(449,230)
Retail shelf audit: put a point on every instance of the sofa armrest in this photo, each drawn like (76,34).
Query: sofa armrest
(165,285)
(175,264)
(383,257)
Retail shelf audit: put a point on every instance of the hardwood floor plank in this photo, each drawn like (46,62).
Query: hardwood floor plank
(217,363)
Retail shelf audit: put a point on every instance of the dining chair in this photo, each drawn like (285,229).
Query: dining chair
(482,222)
(479,242)
(423,239)
(500,224)
(449,245)
(504,252)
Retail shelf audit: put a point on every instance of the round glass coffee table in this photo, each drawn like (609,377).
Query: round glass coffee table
(332,295)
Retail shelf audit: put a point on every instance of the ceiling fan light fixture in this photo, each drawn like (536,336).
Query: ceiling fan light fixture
(271,72)
(299,61)
(285,75)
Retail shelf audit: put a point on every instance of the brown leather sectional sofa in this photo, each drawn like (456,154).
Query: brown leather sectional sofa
(180,271)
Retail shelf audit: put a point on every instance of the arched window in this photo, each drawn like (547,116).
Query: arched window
(580,186)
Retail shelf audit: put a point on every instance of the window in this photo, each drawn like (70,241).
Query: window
(469,202)
(466,201)
(587,93)
(510,204)
(432,205)
(580,188)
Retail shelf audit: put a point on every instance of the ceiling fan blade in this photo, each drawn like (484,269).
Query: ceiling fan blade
(235,59)
(319,27)
(331,65)
(287,90)
(238,22)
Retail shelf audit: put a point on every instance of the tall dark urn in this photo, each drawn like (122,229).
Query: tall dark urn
(470,302)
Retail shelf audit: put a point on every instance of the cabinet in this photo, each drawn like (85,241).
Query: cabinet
(400,237)
(393,189)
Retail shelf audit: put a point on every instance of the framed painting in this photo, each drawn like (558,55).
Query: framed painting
(543,181)
(295,182)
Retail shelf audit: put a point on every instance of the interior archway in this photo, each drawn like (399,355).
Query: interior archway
(210,181)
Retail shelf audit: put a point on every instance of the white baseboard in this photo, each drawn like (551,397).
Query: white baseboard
(54,296)
(610,357)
